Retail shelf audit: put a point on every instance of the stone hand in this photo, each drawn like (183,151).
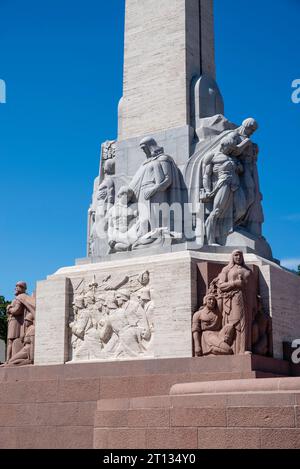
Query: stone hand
(198,351)
(206,197)
(225,287)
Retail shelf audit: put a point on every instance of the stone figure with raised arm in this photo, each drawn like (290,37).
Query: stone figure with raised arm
(16,313)
(222,188)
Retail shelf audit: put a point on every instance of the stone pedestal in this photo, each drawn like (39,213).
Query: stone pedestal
(176,285)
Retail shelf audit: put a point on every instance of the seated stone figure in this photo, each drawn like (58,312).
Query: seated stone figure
(210,338)
(122,226)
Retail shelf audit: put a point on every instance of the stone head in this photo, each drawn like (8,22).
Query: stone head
(89,299)
(144,296)
(249,126)
(122,296)
(29,319)
(21,287)
(125,195)
(109,167)
(144,278)
(211,302)
(238,257)
(150,147)
(228,144)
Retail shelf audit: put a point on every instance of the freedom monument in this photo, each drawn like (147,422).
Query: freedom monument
(179,284)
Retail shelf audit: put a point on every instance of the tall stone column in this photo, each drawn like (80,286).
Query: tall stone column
(167,44)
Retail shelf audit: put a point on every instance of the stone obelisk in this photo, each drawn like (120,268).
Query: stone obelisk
(169,47)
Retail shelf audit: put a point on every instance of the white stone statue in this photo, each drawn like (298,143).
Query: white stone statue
(156,182)
(222,188)
(122,222)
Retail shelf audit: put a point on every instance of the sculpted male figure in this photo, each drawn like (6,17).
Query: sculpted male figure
(16,313)
(222,187)
(248,154)
(25,356)
(122,229)
(156,182)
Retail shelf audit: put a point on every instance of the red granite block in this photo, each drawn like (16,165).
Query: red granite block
(37,437)
(100,440)
(283,438)
(73,437)
(8,438)
(198,417)
(74,390)
(172,438)
(44,391)
(25,414)
(113,404)
(86,413)
(228,438)
(111,418)
(273,417)
(150,402)
(144,418)
(126,438)
(8,417)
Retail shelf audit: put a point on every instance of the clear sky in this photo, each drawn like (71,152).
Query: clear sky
(62,63)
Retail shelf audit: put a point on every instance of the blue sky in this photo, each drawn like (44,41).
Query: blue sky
(62,63)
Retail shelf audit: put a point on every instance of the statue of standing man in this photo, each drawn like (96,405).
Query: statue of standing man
(16,313)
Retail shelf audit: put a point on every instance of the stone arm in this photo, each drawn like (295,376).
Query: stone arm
(78,327)
(238,284)
(207,178)
(196,331)
(242,147)
(15,309)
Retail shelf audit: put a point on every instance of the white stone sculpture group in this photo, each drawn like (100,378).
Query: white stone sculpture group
(112,318)
(220,184)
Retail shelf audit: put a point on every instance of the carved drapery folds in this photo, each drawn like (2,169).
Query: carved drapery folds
(232,319)
(112,318)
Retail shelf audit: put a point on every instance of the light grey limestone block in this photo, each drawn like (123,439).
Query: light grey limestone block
(167,43)
(259,245)
(51,330)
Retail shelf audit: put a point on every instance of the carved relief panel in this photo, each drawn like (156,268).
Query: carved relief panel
(112,318)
